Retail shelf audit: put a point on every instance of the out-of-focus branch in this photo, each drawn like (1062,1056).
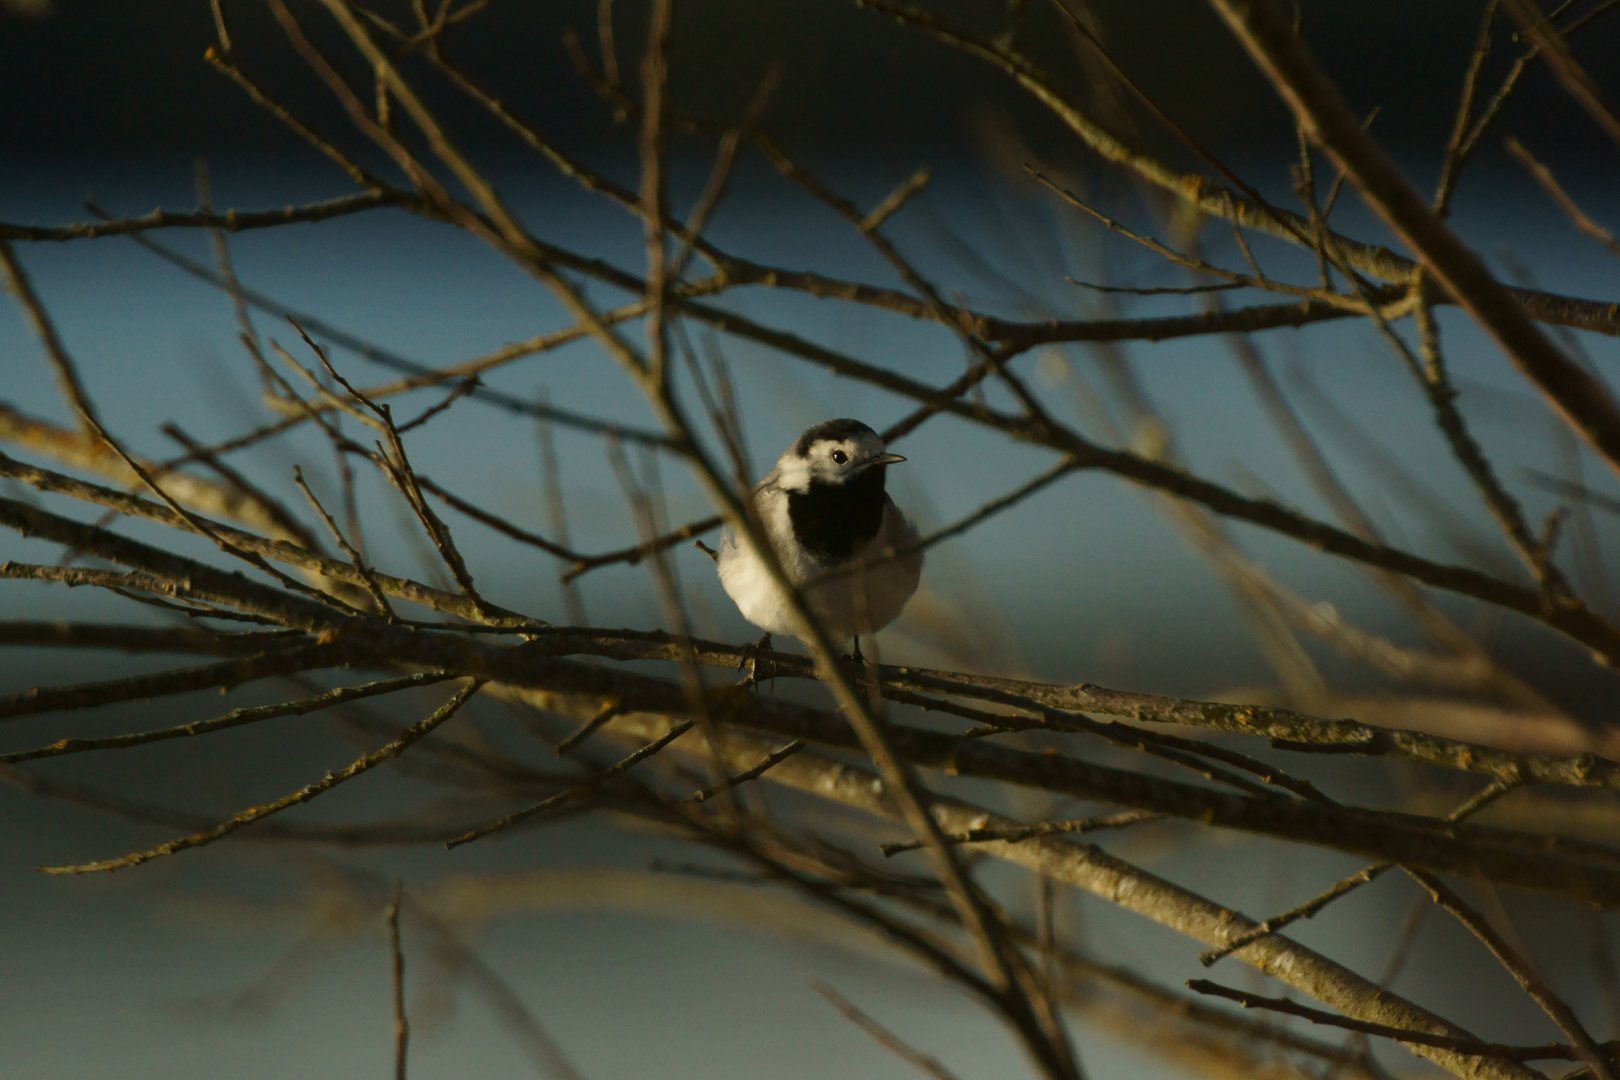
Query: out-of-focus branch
(1575,79)
(882,1035)
(402,1027)
(1555,191)
(1210,198)
(1577,395)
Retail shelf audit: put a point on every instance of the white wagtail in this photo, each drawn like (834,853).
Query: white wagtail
(824,510)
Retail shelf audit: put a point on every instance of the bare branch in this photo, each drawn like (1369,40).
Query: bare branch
(1210,198)
(1522,972)
(1543,176)
(1089,868)
(885,1038)
(1581,399)
(227,220)
(226,673)
(402,1028)
(754,772)
(410,736)
(1019,833)
(1549,1051)
(234,718)
(577,791)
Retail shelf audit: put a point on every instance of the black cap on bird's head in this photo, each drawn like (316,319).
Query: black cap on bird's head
(844,430)
(833,452)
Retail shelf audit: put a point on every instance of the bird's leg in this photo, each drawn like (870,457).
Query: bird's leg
(856,655)
(751,662)
(748,651)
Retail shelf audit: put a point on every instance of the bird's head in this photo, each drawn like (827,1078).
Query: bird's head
(831,453)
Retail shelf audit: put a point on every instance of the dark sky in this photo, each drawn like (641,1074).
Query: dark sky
(127,76)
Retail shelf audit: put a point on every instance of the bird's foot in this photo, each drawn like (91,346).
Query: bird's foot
(750,660)
(856,654)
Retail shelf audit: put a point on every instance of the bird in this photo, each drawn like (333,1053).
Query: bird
(824,510)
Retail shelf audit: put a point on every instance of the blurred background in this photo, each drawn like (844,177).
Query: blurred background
(251,960)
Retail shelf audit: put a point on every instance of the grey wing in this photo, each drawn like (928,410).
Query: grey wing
(767,484)
(729,545)
(767,504)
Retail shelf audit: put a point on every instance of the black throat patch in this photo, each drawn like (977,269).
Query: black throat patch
(831,519)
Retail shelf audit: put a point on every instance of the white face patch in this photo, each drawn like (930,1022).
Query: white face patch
(831,461)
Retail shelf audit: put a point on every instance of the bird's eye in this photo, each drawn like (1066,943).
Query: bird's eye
(839,457)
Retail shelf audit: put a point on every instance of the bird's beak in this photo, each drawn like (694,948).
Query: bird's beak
(886,459)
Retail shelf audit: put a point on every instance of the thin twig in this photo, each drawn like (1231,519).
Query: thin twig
(234,718)
(1475,1047)
(302,656)
(1366,875)
(229,220)
(1451,168)
(370,579)
(1019,833)
(402,1027)
(766,763)
(884,1037)
(637,552)
(411,735)
(589,727)
(1523,972)
(575,792)
(73,391)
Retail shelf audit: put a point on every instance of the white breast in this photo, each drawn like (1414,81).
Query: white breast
(849,605)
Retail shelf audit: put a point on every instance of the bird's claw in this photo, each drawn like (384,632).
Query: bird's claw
(750,661)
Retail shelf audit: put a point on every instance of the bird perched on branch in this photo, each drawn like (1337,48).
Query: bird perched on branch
(838,535)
